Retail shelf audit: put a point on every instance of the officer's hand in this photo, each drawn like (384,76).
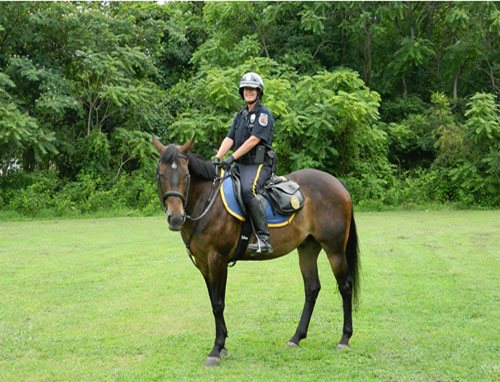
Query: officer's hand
(226,163)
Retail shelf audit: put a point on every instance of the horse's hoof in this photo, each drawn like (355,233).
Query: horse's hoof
(212,361)
(223,352)
(291,344)
(342,347)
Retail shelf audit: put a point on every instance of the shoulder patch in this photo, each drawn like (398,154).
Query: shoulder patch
(263,119)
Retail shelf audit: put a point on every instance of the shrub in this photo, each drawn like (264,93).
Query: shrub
(37,196)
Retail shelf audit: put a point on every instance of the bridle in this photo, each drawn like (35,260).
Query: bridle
(184,198)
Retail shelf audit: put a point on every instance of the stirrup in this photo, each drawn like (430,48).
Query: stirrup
(260,247)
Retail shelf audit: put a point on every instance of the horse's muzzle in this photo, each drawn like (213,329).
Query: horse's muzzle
(175,221)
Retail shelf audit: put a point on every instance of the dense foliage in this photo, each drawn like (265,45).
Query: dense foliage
(397,99)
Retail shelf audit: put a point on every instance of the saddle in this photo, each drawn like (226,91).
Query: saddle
(283,196)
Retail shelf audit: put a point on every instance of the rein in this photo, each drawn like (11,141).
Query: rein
(211,199)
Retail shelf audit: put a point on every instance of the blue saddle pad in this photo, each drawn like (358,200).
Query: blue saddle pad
(232,206)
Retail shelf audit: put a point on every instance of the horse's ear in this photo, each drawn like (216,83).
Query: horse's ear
(158,145)
(187,146)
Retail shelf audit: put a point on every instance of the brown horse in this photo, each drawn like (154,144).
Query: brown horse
(185,186)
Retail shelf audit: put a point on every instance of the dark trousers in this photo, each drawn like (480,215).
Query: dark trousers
(253,177)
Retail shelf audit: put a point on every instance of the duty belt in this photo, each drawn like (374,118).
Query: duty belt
(250,159)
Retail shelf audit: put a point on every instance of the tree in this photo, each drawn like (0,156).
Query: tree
(68,91)
(18,130)
(357,89)
(479,169)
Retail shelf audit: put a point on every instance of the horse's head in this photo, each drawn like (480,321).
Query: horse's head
(173,180)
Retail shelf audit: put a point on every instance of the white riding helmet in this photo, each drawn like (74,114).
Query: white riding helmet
(252,80)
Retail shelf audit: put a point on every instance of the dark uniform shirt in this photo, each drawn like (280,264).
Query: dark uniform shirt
(259,122)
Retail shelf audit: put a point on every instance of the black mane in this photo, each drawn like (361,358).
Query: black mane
(198,166)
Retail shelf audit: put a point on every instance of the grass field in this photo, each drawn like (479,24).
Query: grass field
(119,300)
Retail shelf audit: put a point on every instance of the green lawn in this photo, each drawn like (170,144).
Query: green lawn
(119,300)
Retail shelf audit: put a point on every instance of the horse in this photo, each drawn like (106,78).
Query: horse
(185,183)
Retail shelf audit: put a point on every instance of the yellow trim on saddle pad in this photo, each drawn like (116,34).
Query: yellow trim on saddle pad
(278,225)
(242,218)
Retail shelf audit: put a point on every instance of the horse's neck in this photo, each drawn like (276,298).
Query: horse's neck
(197,198)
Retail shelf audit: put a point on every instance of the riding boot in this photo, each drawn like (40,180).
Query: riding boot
(257,209)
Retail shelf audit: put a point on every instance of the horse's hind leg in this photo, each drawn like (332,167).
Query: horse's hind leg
(340,269)
(308,256)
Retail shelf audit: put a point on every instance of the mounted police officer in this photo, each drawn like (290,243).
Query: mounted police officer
(251,134)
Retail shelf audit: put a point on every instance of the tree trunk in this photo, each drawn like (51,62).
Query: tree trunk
(367,57)
(405,89)
(455,82)
(5,168)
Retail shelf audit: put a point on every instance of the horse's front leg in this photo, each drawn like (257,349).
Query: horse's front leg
(216,278)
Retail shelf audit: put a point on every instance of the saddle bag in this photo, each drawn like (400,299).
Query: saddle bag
(285,195)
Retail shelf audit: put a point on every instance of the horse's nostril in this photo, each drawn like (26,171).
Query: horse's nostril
(175,222)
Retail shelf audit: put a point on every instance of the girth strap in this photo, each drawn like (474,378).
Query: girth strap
(246,231)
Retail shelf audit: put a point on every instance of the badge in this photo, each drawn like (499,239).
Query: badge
(294,201)
(252,118)
(263,119)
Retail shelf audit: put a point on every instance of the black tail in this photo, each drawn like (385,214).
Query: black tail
(352,256)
